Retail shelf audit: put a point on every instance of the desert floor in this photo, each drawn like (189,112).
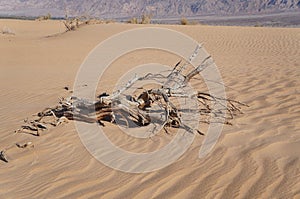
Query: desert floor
(257,157)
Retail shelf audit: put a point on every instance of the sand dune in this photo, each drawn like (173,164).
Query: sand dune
(257,157)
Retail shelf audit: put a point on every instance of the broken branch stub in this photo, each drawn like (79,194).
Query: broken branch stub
(3,156)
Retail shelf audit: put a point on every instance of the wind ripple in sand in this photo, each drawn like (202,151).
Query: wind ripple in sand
(257,157)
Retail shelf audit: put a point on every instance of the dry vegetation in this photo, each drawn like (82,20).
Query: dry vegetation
(45,17)
(133,21)
(185,21)
(145,19)
(75,23)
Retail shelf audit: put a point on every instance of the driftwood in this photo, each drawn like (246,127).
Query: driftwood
(75,23)
(3,156)
(136,109)
(25,145)
(71,24)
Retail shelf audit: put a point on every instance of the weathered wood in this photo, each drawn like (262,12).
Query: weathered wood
(205,63)
(27,144)
(3,156)
(106,107)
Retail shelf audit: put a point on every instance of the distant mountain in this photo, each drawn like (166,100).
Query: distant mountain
(157,8)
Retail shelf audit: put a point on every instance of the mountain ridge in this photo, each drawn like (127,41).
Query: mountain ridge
(156,8)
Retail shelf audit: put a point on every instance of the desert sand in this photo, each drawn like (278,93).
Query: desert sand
(257,157)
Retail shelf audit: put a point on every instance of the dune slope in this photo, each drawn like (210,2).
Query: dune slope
(257,157)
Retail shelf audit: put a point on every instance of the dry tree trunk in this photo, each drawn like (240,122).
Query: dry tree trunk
(136,109)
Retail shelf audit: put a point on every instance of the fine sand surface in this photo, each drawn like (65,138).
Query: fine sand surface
(257,157)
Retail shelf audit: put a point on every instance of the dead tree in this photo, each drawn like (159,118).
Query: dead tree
(136,109)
